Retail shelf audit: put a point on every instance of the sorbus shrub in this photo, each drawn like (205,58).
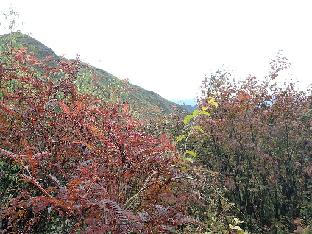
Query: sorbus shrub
(74,163)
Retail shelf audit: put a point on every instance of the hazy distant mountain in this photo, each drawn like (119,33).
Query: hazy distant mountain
(189,101)
(187,104)
(143,103)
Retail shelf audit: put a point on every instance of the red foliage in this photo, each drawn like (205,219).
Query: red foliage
(81,158)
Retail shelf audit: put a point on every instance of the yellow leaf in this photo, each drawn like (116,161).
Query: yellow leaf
(212,101)
(204,108)
(180,138)
(199,128)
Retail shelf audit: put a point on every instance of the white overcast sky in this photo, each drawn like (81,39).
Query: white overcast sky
(169,45)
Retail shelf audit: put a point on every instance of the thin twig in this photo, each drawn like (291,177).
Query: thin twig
(129,201)
(8,154)
(33,181)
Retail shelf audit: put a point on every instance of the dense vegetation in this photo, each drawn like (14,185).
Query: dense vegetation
(75,157)
(257,140)
(79,162)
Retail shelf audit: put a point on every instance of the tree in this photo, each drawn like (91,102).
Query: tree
(257,140)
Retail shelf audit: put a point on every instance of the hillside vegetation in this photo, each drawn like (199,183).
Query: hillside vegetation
(76,157)
(144,104)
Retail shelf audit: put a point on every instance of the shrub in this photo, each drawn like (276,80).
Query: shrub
(257,141)
(77,164)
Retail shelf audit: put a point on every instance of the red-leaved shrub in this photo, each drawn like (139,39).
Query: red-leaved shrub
(82,163)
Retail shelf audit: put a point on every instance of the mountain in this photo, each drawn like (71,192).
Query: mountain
(188,108)
(187,104)
(144,104)
(190,101)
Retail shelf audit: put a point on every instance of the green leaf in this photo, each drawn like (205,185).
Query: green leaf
(188,119)
(191,152)
(196,112)
(238,228)
(188,159)
(204,113)
(180,138)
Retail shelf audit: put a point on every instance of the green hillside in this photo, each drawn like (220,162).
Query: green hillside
(30,43)
(144,104)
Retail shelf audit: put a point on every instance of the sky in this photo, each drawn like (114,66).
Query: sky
(168,46)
